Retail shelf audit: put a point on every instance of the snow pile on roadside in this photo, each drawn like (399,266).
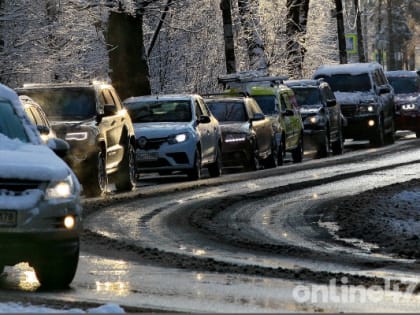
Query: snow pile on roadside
(12,307)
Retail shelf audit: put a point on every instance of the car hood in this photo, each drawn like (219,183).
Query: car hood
(160,130)
(234,127)
(411,98)
(354,97)
(310,109)
(24,161)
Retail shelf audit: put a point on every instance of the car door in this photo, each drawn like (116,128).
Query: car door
(288,121)
(204,130)
(111,128)
(262,127)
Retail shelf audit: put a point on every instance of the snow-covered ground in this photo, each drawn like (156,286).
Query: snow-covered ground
(13,307)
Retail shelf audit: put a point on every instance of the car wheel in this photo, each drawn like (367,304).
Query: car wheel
(271,161)
(125,177)
(297,154)
(215,169)
(280,154)
(57,272)
(390,138)
(338,145)
(98,183)
(379,139)
(195,172)
(417,134)
(254,161)
(324,149)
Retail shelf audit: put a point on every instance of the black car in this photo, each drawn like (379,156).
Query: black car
(91,118)
(248,136)
(321,115)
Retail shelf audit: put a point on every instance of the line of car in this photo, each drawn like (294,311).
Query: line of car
(254,124)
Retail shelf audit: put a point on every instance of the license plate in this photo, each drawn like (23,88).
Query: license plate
(8,218)
(147,156)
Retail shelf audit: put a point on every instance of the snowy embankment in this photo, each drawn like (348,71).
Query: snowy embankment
(12,307)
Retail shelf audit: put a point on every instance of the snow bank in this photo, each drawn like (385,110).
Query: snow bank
(20,308)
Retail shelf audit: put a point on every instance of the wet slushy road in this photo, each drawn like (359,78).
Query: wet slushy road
(241,243)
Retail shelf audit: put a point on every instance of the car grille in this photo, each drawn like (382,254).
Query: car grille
(349,110)
(18,186)
(154,144)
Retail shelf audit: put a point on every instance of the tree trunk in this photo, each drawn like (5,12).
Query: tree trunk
(158,28)
(297,15)
(128,67)
(250,25)
(360,46)
(391,48)
(340,31)
(225,6)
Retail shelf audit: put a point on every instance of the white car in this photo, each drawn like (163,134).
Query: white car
(40,211)
(175,133)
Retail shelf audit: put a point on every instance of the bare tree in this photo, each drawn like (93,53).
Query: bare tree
(226,7)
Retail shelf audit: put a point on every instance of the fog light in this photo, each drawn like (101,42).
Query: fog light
(371,123)
(69,222)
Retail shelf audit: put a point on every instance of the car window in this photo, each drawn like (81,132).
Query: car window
(10,123)
(405,85)
(348,83)
(285,99)
(65,103)
(109,99)
(203,107)
(160,111)
(308,96)
(198,110)
(228,111)
(268,103)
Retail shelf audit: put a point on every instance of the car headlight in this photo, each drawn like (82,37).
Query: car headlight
(235,137)
(314,120)
(367,108)
(409,106)
(78,136)
(60,189)
(179,138)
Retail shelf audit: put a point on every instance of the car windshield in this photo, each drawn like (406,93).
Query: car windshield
(268,104)
(10,123)
(228,111)
(348,82)
(405,85)
(65,103)
(160,111)
(307,95)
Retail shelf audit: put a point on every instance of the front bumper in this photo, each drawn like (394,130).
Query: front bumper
(236,153)
(313,139)
(408,121)
(358,127)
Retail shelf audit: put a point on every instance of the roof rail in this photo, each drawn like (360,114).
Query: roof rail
(249,77)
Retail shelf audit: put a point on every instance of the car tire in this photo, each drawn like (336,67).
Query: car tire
(125,177)
(272,160)
(195,172)
(57,272)
(253,164)
(297,153)
(281,153)
(215,168)
(97,185)
(418,134)
(390,137)
(379,138)
(338,145)
(324,149)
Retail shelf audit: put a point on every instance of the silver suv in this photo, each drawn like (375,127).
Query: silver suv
(40,211)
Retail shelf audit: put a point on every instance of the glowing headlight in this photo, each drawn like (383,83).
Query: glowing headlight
(366,108)
(78,136)
(316,119)
(60,189)
(408,106)
(235,138)
(182,137)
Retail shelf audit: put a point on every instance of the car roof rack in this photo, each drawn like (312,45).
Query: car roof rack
(249,77)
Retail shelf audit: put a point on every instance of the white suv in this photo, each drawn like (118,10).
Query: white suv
(40,211)
(175,133)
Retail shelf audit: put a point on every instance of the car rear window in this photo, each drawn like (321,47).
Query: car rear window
(65,103)
(160,111)
(10,123)
(228,111)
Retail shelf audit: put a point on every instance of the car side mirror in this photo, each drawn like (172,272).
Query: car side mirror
(384,90)
(204,119)
(258,117)
(59,146)
(331,103)
(288,112)
(43,130)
